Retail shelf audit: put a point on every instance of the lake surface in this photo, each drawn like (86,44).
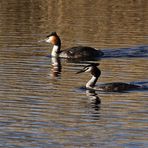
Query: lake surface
(42,103)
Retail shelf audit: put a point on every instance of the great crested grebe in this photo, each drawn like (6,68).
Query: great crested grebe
(116,86)
(73,52)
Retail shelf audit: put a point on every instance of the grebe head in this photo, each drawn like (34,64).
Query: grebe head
(53,38)
(92,68)
(95,72)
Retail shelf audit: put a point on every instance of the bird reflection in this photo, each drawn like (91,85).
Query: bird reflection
(56,67)
(94,99)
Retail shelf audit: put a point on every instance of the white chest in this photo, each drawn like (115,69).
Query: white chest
(91,82)
(55,51)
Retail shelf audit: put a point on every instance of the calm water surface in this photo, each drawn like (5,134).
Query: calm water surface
(41,100)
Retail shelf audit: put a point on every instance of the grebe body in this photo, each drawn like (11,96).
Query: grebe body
(115,87)
(74,52)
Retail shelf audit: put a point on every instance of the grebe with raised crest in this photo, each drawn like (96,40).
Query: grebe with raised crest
(73,52)
(115,86)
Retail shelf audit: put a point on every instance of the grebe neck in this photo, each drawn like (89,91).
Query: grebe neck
(56,47)
(95,72)
(91,83)
(55,51)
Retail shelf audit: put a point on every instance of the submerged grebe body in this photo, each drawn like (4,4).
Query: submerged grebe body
(116,86)
(74,52)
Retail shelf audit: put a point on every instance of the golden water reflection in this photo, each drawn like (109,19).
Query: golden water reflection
(41,104)
(97,23)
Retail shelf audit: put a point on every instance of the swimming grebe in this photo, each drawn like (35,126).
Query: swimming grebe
(116,86)
(74,52)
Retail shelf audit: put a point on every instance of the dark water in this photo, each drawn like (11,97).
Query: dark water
(42,105)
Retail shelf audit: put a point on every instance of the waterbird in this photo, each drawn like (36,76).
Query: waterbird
(113,87)
(73,52)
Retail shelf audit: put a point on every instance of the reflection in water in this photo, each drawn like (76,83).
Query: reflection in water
(95,23)
(56,67)
(39,112)
(94,99)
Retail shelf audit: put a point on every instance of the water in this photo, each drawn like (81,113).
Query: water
(42,105)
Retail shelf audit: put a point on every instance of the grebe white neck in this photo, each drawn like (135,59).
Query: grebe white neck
(91,83)
(55,51)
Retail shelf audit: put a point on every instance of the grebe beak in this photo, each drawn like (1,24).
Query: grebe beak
(80,71)
(47,40)
(41,40)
